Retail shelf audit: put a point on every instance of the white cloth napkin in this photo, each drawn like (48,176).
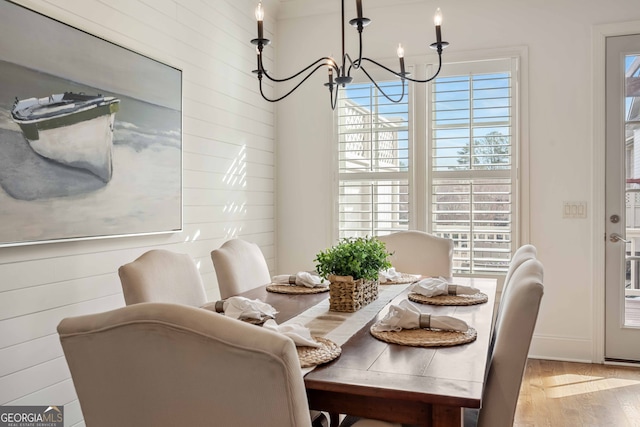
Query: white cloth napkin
(391,275)
(407,316)
(434,286)
(301,278)
(245,308)
(300,334)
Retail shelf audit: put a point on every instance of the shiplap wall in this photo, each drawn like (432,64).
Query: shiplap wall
(228,181)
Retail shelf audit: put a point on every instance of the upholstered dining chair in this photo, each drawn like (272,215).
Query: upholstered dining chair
(240,266)
(520,307)
(417,252)
(162,276)
(167,365)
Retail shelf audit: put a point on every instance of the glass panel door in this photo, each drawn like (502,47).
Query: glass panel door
(622,329)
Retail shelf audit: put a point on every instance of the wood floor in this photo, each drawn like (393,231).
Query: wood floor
(564,394)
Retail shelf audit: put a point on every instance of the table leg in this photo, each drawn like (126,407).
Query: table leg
(335,419)
(446,416)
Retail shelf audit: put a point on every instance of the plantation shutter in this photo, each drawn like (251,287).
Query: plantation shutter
(373,153)
(472,178)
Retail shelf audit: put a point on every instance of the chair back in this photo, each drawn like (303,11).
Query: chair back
(162,276)
(522,254)
(417,252)
(520,308)
(167,365)
(240,266)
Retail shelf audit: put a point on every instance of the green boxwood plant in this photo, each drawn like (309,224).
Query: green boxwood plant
(358,257)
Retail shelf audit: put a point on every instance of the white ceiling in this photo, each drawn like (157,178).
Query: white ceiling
(295,8)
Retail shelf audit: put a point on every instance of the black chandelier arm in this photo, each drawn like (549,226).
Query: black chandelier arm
(292,90)
(323,62)
(405,76)
(380,89)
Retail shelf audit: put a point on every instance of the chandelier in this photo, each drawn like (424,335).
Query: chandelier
(339,75)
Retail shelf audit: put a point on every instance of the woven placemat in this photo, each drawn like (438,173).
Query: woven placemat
(296,289)
(312,356)
(402,280)
(478,298)
(426,337)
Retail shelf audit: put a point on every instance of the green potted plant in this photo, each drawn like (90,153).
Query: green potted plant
(352,267)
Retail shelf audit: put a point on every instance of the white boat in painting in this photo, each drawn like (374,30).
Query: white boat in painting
(71,128)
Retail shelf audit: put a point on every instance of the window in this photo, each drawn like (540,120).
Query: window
(469,170)
(373,138)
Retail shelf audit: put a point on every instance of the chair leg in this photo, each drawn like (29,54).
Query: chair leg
(320,420)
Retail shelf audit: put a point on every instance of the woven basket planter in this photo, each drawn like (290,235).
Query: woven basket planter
(348,295)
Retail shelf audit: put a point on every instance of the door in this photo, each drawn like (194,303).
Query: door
(622,254)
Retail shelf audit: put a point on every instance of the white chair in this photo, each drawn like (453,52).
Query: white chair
(167,365)
(240,266)
(162,276)
(520,308)
(417,252)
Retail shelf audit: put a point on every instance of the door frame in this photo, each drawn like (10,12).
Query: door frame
(598,145)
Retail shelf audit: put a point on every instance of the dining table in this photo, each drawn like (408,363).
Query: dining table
(422,386)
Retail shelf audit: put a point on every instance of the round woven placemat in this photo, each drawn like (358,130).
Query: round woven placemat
(296,289)
(312,356)
(478,298)
(403,279)
(426,337)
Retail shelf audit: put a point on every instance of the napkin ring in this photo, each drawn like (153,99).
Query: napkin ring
(219,306)
(452,289)
(292,279)
(425,321)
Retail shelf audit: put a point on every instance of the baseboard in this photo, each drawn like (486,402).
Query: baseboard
(561,348)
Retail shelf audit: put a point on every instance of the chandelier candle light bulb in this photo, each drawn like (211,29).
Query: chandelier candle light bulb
(260,19)
(437,19)
(400,53)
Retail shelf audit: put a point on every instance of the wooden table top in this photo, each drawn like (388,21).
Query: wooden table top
(371,378)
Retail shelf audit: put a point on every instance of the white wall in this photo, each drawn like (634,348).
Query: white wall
(557,35)
(41,284)
(223,118)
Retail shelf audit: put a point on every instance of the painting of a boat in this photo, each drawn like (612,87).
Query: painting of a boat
(70,128)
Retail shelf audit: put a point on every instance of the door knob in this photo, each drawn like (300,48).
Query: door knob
(615,237)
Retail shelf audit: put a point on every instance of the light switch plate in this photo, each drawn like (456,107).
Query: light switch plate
(574,209)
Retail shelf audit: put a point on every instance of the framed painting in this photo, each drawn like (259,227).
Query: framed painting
(90,135)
